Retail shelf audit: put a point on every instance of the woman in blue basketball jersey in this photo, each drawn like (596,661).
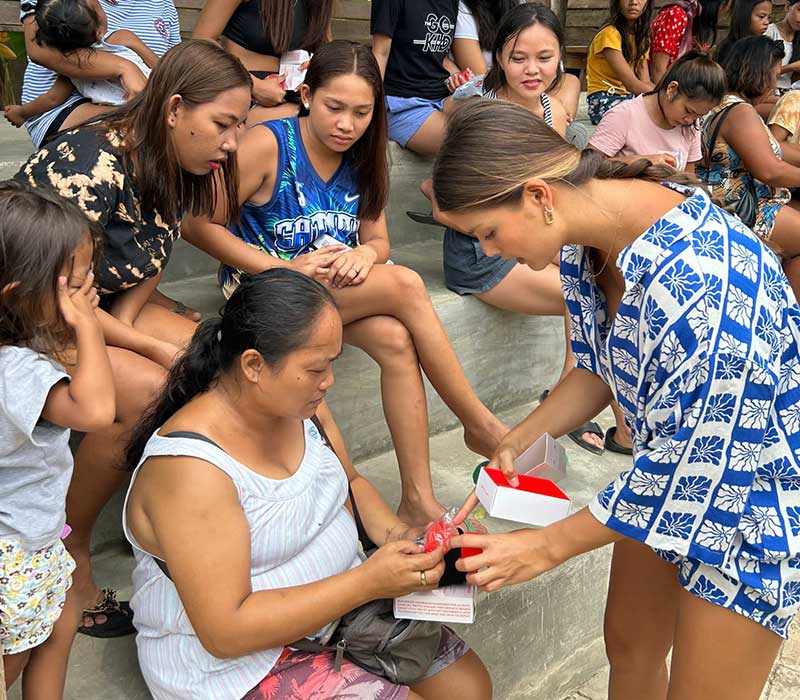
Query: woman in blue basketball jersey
(313,190)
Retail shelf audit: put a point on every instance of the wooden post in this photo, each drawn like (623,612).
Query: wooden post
(559,7)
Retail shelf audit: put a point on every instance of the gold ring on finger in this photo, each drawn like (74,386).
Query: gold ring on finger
(423,579)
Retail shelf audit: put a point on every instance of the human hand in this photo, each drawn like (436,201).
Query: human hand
(132,80)
(77,304)
(401,531)
(269,91)
(505,560)
(317,263)
(456,80)
(503,459)
(667,159)
(397,569)
(351,267)
(14,114)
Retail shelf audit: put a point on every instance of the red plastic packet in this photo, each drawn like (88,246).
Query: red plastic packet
(439,534)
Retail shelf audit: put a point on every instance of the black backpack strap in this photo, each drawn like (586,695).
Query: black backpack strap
(718,119)
(363,537)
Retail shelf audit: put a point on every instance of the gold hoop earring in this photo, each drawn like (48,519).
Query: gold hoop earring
(549,218)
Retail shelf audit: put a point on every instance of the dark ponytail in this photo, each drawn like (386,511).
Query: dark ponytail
(594,164)
(66,25)
(272,312)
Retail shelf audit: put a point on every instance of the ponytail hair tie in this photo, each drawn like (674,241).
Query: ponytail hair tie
(219,336)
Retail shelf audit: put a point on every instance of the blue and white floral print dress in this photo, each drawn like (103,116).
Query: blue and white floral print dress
(703,359)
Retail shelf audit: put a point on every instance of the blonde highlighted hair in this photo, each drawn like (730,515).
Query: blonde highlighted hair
(493,147)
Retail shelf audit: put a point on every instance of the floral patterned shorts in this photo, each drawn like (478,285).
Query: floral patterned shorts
(33,586)
(598,103)
(300,675)
(766,592)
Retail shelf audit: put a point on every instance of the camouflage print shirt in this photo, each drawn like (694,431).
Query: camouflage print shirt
(86,166)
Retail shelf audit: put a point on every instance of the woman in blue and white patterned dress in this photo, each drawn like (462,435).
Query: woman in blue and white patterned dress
(685,317)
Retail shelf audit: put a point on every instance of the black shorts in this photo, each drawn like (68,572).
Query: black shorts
(55,127)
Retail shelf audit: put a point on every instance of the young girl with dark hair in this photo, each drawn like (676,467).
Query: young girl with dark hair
(68,26)
(322,179)
(685,317)
(664,125)
(748,18)
(134,175)
(745,157)
(241,516)
(55,376)
(258,33)
(680,27)
(788,31)
(617,62)
(155,22)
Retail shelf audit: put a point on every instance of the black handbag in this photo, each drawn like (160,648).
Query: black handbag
(746,209)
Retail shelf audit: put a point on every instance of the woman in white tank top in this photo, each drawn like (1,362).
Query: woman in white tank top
(236,495)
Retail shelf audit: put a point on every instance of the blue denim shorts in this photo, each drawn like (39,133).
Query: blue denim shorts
(467,269)
(407,114)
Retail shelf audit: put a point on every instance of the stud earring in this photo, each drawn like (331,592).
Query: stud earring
(306,105)
(549,218)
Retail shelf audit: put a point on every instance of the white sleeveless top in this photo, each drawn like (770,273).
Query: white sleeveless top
(300,532)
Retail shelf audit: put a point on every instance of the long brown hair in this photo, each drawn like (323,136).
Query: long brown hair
(39,233)
(367,155)
(494,147)
(199,71)
(278,20)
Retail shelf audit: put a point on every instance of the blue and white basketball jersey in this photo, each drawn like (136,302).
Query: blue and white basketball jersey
(303,206)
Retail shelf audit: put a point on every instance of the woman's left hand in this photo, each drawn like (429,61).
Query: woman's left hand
(351,267)
(506,559)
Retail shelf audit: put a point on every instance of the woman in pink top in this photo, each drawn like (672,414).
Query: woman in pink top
(663,125)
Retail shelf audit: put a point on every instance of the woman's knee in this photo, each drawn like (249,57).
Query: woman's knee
(408,285)
(137,382)
(626,647)
(392,339)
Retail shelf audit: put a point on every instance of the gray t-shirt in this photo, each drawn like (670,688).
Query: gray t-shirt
(35,459)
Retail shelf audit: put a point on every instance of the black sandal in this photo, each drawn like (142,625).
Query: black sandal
(590,427)
(613,446)
(119,617)
(426,218)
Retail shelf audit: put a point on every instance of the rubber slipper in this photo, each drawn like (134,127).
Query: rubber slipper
(119,617)
(544,395)
(613,446)
(426,218)
(577,437)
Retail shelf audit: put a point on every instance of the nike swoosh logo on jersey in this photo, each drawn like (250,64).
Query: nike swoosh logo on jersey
(351,197)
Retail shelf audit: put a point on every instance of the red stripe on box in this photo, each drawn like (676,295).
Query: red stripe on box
(530,484)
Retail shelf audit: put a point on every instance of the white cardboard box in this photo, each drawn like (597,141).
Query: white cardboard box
(545,459)
(535,501)
(446,604)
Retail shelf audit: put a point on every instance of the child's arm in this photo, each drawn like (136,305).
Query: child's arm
(56,95)
(87,402)
(123,37)
(83,64)
(623,70)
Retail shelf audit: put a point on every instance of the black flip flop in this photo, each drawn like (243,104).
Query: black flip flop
(422,217)
(544,395)
(119,617)
(613,446)
(577,437)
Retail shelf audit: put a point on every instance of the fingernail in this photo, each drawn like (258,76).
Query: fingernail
(514,482)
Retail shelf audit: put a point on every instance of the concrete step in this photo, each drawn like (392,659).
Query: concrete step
(540,640)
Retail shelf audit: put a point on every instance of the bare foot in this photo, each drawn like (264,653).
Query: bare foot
(177,306)
(426,187)
(593,439)
(87,593)
(623,436)
(484,441)
(415,514)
